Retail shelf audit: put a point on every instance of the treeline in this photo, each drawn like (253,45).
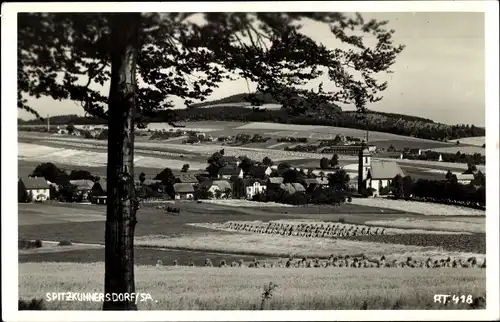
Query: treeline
(64,120)
(373,121)
(448,191)
(458,157)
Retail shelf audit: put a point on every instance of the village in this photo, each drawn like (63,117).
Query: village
(231,177)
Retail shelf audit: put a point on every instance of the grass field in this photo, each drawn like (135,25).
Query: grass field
(478,140)
(469,225)
(142,256)
(423,208)
(463,149)
(35,214)
(192,288)
(85,158)
(284,246)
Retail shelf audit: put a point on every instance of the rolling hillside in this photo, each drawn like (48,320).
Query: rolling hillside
(239,108)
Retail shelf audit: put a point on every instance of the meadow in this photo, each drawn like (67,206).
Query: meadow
(475,225)
(194,288)
(477,140)
(462,149)
(422,208)
(284,246)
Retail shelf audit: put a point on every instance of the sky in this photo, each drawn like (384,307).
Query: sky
(439,75)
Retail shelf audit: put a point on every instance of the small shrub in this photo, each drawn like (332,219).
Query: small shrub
(267,294)
(341,220)
(65,243)
(34,305)
(29,244)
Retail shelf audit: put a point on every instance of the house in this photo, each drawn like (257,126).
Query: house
(216,187)
(292,188)
(253,187)
(147,182)
(416,151)
(98,194)
(184,190)
(260,172)
(231,160)
(82,188)
(465,179)
(186,178)
(323,173)
(228,171)
(316,181)
(353,149)
(380,175)
(37,188)
(274,182)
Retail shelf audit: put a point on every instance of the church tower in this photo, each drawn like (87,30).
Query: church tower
(364,164)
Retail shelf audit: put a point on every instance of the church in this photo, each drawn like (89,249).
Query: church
(375,174)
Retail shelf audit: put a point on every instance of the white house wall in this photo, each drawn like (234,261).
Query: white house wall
(254,189)
(39,194)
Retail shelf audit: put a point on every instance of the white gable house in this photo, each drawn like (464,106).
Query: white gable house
(254,187)
(381,174)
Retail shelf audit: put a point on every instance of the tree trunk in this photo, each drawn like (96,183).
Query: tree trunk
(121,199)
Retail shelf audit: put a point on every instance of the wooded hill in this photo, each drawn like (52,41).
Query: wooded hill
(238,107)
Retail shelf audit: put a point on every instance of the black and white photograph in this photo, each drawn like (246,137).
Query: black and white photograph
(216,161)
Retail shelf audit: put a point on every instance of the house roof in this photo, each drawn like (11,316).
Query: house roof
(230,171)
(275,180)
(251,181)
(222,184)
(465,176)
(385,170)
(186,178)
(230,158)
(102,184)
(298,187)
(292,187)
(258,171)
(183,187)
(82,184)
(147,182)
(35,183)
(316,180)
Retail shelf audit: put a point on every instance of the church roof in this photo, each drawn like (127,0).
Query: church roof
(384,170)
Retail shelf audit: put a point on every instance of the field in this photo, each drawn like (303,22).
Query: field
(420,207)
(479,140)
(183,239)
(474,225)
(279,246)
(462,149)
(415,230)
(83,158)
(192,288)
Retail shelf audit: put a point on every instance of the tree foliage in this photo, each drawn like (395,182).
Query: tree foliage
(67,56)
(81,175)
(51,173)
(339,180)
(267,161)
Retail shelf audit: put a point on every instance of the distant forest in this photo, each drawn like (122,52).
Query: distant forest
(374,121)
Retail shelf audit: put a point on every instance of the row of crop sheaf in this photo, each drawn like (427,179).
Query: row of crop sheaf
(355,261)
(322,230)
